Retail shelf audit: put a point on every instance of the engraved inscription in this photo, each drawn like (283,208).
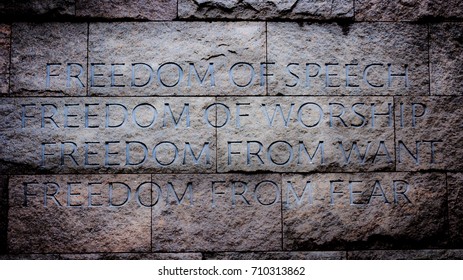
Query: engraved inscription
(99,134)
(280,134)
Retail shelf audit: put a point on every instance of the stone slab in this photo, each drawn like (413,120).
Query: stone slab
(17,10)
(363,210)
(410,10)
(5,34)
(406,255)
(293,255)
(257,9)
(226,212)
(30,257)
(106,135)
(455,189)
(446,53)
(305,134)
(176,58)
(428,133)
(105,256)
(5,48)
(3,213)
(79,214)
(4,83)
(134,256)
(123,9)
(347,59)
(49,59)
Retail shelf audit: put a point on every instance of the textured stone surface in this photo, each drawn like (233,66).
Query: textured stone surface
(106,256)
(34,45)
(3,212)
(131,9)
(290,134)
(26,9)
(365,52)
(455,188)
(30,257)
(158,135)
(5,33)
(227,216)
(257,9)
(179,56)
(343,211)
(134,256)
(406,255)
(5,47)
(428,133)
(37,224)
(329,255)
(231,212)
(4,83)
(446,55)
(409,10)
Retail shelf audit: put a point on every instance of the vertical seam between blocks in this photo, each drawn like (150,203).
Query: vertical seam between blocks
(88,58)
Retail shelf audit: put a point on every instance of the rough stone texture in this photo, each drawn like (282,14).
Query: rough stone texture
(30,257)
(217,220)
(35,45)
(220,224)
(5,33)
(406,255)
(34,228)
(455,185)
(329,255)
(434,133)
(364,213)
(17,10)
(188,146)
(446,55)
(134,256)
(106,256)
(257,9)
(350,145)
(3,213)
(4,83)
(408,10)
(169,45)
(128,9)
(360,45)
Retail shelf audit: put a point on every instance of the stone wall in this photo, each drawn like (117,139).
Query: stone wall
(231,129)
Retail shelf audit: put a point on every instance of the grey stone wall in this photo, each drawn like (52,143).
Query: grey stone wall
(231,129)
